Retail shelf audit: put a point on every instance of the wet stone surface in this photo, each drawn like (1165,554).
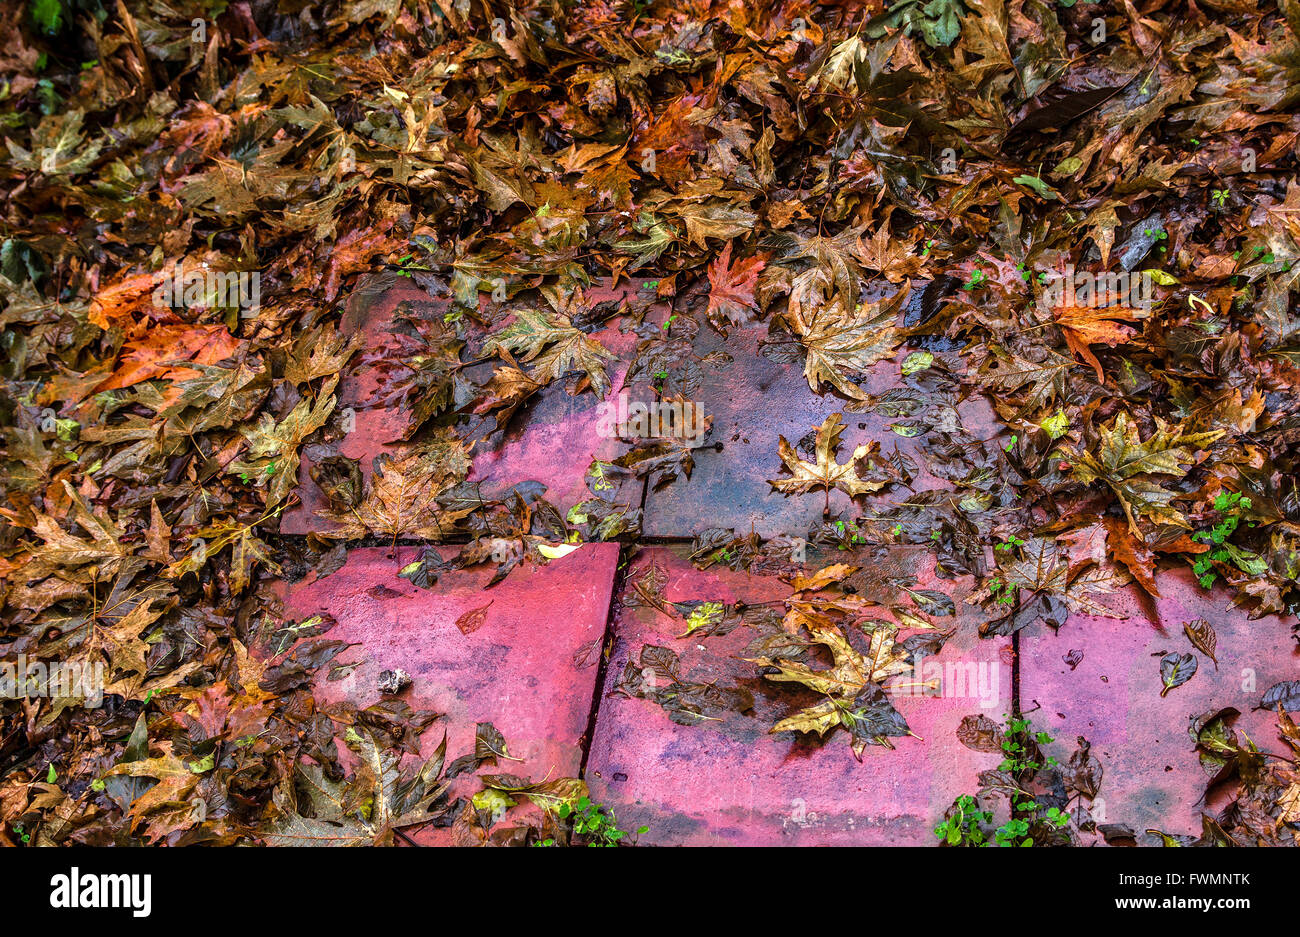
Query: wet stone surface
(752,386)
(528,664)
(1112,696)
(733,782)
(552,440)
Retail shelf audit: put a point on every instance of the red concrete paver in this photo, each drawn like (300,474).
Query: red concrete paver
(733,782)
(753,401)
(555,439)
(372,428)
(1152,777)
(529,669)
(551,439)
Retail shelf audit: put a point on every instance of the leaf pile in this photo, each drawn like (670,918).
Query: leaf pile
(846,180)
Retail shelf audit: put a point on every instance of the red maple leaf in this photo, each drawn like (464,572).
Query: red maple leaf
(731,288)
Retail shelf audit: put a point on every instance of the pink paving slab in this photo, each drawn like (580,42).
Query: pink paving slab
(552,439)
(734,783)
(530,669)
(373,428)
(1152,778)
(753,401)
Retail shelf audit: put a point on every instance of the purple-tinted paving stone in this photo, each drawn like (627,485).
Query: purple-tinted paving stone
(552,439)
(734,782)
(755,399)
(557,438)
(529,668)
(372,427)
(1152,776)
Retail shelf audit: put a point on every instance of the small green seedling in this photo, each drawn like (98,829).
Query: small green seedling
(1229,505)
(968,824)
(595,824)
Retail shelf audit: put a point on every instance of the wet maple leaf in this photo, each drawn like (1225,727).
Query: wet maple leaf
(656,236)
(105,551)
(505,392)
(124,298)
(1045,569)
(854,698)
(1133,552)
(731,289)
(318,353)
(716,219)
(825,472)
(554,347)
(841,337)
(246,551)
(1096,325)
(892,255)
(121,643)
(1123,460)
(402,499)
(164,350)
(176,779)
(365,810)
(1036,384)
(837,71)
(273,446)
(58,146)
(221,190)
(419,376)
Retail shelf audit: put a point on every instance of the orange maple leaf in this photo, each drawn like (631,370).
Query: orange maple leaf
(1096,325)
(124,298)
(731,287)
(164,348)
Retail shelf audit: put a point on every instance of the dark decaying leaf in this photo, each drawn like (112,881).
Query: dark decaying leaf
(1221,754)
(490,744)
(1049,609)
(1114,833)
(340,479)
(1203,638)
(1175,670)
(933,602)
(1083,773)
(1067,107)
(657,677)
(424,572)
(1286,695)
(980,733)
